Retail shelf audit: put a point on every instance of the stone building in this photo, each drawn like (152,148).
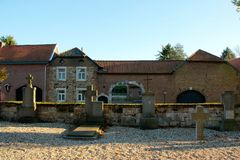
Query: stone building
(69,74)
(21,60)
(203,77)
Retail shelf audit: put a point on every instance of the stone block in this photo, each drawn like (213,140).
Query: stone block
(149,123)
(128,121)
(26,115)
(229,125)
(174,123)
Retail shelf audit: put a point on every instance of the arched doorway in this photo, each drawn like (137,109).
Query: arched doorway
(126,92)
(19,93)
(190,96)
(104,99)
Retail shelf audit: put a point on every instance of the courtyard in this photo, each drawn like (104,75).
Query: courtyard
(44,141)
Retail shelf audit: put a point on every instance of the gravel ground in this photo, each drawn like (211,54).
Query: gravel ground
(44,141)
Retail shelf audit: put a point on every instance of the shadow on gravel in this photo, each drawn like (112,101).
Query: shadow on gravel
(155,140)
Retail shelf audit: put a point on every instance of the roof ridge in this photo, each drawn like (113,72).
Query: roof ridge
(30,45)
(139,61)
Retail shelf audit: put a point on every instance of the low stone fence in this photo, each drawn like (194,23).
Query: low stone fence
(169,115)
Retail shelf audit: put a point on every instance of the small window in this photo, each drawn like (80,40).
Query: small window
(61,73)
(80,94)
(61,94)
(81,73)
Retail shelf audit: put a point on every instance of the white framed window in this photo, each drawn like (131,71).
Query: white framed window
(61,73)
(80,93)
(81,73)
(61,94)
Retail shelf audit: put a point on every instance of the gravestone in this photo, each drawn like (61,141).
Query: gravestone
(228,99)
(94,110)
(148,119)
(92,128)
(199,116)
(27,112)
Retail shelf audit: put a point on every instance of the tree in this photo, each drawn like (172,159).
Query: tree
(8,40)
(228,54)
(237,4)
(171,53)
(3,74)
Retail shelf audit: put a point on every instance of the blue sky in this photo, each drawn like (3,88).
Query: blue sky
(123,29)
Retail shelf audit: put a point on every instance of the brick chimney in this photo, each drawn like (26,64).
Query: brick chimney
(2,44)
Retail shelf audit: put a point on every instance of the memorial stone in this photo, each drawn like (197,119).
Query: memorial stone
(148,119)
(200,117)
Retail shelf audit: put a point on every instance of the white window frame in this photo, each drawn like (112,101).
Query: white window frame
(65,94)
(78,71)
(77,94)
(60,78)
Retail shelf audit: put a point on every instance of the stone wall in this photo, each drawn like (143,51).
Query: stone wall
(170,115)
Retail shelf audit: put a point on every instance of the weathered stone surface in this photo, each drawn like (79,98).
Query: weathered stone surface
(199,116)
(128,121)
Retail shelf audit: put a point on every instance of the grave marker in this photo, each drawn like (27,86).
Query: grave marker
(148,119)
(199,116)
(228,99)
(26,112)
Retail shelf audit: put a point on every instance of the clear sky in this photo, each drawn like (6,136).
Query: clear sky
(123,29)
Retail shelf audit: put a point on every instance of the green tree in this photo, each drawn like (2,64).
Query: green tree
(237,4)
(3,74)
(228,54)
(169,52)
(8,40)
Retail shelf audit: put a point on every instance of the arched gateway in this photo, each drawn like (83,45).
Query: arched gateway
(19,93)
(126,91)
(190,96)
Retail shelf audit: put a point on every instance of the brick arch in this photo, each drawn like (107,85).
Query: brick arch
(126,83)
(191,96)
(103,97)
(19,93)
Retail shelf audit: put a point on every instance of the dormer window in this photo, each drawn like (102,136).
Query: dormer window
(81,73)
(61,73)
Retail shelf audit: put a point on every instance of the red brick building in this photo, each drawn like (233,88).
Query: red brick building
(21,60)
(203,77)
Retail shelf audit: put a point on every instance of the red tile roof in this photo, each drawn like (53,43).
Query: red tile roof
(140,67)
(201,55)
(27,53)
(235,63)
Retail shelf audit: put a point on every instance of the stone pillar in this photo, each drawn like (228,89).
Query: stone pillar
(27,112)
(148,119)
(228,99)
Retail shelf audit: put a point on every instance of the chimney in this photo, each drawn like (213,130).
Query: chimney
(2,44)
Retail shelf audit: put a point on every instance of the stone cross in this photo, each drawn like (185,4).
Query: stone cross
(29,80)
(199,116)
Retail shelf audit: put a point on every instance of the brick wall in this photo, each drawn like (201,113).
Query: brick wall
(17,77)
(211,79)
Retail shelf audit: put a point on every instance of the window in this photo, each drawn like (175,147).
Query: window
(61,94)
(81,73)
(61,73)
(80,94)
